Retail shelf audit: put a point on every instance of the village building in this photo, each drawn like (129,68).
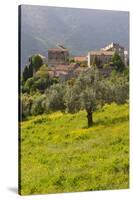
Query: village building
(104,55)
(101,57)
(59,55)
(126,58)
(59,66)
(115,47)
(64,72)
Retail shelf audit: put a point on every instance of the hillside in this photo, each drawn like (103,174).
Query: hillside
(60,154)
(80,30)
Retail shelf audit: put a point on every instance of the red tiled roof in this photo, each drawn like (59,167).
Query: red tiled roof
(100,53)
(63,67)
(65,70)
(58,69)
(80,58)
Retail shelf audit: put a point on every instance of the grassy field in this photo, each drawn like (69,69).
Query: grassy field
(60,154)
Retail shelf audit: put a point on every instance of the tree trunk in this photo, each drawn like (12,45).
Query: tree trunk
(89,117)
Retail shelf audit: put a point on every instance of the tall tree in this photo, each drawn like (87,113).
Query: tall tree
(36,62)
(117,62)
(25,73)
(91,90)
(55,97)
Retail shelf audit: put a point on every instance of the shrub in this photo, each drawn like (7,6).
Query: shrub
(55,97)
(26,104)
(38,106)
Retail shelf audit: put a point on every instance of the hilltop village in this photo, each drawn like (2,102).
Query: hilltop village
(49,82)
(62,65)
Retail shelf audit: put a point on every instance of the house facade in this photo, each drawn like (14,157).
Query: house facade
(99,57)
(58,56)
(104,55)
(115,47)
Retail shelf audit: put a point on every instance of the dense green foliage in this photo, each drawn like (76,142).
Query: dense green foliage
(117,62)
(55,98)
(26,73)
(60,154)
(26,104)
(38,105)
(89,91)
(35,76)
(35,62)
(39,82)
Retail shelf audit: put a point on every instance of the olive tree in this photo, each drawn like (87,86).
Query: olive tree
(25,108)
(36,61)
(55,97)
(38,105)
(91,90)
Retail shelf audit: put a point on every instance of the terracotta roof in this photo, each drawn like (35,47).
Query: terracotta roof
(80,58)
(65,70)
(101,53)
(60,67)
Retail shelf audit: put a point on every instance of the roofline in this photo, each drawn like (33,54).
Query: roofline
(101,52)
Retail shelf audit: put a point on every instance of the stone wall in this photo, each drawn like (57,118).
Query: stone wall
(58,57)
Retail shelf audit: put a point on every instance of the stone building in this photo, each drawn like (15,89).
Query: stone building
(58,56)
(104,55)
(65,72)
(101,57)
(126,58)
(115,47)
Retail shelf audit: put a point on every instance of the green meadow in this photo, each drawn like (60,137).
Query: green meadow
(60,154)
